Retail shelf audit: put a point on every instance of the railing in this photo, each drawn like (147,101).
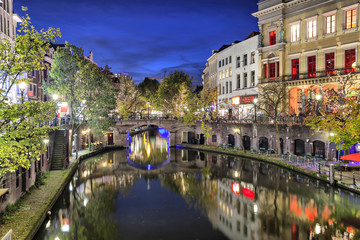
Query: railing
(8,235)
(317,74)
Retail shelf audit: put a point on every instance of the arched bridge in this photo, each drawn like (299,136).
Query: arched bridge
(175,128)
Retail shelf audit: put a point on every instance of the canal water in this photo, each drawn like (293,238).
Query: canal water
(151,191)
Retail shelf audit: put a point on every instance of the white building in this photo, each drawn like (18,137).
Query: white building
(237,71)
(8,24)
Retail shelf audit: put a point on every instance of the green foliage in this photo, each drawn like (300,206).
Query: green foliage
(174,92)
(338,112)
(21,141)
(127,98)
(85,87)
(24,53)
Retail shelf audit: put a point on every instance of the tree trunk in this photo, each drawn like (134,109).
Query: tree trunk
(278,142)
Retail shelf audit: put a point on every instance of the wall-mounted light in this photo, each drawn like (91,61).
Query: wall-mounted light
(332,134)
(287,137)
(307,140)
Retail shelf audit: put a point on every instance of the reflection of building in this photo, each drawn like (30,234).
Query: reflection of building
(305,43)
(237,212)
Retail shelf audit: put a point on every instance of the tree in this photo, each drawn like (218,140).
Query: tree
(173,91)
(21,132)
(127,99)
(271,100)
(338,112)
(85,88)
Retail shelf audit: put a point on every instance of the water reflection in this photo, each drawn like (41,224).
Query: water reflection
(149,148)
(199,196)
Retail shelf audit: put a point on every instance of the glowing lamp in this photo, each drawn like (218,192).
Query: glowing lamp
(22,86)
(236,188)
(256,100)
(235,101)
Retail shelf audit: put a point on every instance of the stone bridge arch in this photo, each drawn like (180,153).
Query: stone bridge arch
(175,129)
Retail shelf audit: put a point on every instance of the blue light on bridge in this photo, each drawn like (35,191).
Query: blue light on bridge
(163,132)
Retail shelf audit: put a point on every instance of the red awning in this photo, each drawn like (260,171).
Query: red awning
(351,157)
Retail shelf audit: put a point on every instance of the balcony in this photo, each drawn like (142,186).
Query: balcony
(319,78)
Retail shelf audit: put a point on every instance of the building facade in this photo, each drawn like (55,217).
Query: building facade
(237,72)
(306,44)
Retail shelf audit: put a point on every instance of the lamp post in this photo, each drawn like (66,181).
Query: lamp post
(22,87)
(255,102)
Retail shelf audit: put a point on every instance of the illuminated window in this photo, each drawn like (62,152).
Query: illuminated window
(311,66)
(350,59)
(311,28)
(272,38)
(295,68)
(220,75)
(295,32)
(230,72)
(350,19)
(223,73)
(330,63)
(272,70)
(227,72)
(330,24)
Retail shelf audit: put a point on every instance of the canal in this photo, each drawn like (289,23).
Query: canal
(151,191)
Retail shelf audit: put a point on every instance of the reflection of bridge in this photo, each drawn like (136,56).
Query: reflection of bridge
(174,127)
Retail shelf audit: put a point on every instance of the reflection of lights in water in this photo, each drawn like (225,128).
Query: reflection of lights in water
(65,228)
(236,174)
(317,228)
(148,167)
(104,164)
(255,208)
(148,150)
(56,238)
(86,201)
(48,224)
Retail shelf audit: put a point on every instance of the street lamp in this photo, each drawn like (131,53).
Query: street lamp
(22,87)
(255,102)
(318,98)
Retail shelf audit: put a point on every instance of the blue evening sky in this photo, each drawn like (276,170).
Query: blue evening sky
(143,37)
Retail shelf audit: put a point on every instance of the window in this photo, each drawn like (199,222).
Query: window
(311,28)
(245,80)
(245,59)
(230,59)
(237,62)
(272,38)
(230,87)
(220,75)
(311,66)
(226,61)
(329,63)
(238,81)
(219,63)
(227,87)
(295,69)
(330,24)
(32,90)
(223,73)
(230,72)
(252,79)
(350,59)
(272,70)
(350,19)
(223,90)
(295,32)
(299,100)
(223,63)
(227,72)
(213,138)
(265,70)
(252,59)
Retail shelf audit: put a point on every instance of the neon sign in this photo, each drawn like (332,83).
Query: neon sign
(236,188)
(248,193)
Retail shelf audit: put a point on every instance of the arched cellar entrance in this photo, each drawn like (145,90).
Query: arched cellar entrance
(246,142)
(318,149)
(263,142)
(299,147)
